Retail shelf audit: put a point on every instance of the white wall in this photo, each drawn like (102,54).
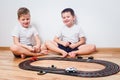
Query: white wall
(98,18)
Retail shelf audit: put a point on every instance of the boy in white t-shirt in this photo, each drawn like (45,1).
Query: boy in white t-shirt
(25,37)
(71,40)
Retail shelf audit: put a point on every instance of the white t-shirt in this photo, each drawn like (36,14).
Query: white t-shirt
(72,34)
(26,35)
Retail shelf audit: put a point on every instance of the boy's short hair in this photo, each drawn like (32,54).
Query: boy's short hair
(22,11)
(68,10)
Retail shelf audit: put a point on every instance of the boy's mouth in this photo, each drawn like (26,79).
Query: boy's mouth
(26,23)
(66,21)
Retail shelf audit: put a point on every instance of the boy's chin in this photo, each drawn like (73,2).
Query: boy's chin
(67,25)
(26,26)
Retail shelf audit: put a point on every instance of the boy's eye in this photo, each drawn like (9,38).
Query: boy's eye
(68,16)
(28,19)
(63,17)
(23,19)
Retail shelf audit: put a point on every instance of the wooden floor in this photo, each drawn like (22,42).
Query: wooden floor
(9,69)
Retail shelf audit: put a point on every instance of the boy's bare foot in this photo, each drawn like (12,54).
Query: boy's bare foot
(44,52)
(72,54)
(22,56)
(64,55)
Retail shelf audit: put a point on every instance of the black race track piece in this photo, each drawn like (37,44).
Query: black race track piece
(110,67)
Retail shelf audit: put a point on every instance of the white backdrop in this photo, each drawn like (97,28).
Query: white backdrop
(98,18)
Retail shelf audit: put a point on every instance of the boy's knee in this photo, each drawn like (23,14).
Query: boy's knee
(93,48)
(48,43)
(43,46)
(14,48)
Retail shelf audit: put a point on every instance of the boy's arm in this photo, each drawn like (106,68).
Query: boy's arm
(37,43)
(57,40)
(81,41)
(16,42)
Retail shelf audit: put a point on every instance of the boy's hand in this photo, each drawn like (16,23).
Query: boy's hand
(36,48)
(65,44)
(72,45)
(30,48)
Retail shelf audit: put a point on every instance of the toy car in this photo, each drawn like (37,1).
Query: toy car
(71,70)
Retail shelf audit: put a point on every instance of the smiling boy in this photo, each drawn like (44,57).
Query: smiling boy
(23,36)
(71,40)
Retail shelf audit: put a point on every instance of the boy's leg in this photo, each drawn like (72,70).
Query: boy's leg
(51,45)
(18,50)
(83,50)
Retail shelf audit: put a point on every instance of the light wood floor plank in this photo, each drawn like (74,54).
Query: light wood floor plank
(9,69)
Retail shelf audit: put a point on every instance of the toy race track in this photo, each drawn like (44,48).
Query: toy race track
(110,67)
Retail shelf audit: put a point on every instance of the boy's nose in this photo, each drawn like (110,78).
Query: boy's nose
(26,20)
